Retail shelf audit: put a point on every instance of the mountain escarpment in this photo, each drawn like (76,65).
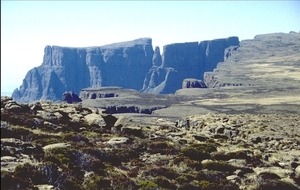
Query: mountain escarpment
(133,64)
(67,68)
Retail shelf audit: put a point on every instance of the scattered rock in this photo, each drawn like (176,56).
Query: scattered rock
(256,139)
(118,140)
(56,145)
(200,138)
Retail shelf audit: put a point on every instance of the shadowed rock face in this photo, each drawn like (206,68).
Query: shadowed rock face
(65,68)
(70,97)
(193,83)
(132,65)
(185,60)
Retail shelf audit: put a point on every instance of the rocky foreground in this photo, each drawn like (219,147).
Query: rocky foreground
(46,145)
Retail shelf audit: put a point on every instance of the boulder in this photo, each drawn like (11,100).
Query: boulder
(193,83)
(94,119)
(110,120)
(70,97)
(13,106)
(56,145)
(118,140)
(4,100)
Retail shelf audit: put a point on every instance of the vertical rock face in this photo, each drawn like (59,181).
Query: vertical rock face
(131,64)
(185,60)
(65,68)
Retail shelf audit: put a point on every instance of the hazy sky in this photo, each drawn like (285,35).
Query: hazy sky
(28,26)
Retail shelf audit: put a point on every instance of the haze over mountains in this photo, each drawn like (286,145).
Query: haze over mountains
(134,64)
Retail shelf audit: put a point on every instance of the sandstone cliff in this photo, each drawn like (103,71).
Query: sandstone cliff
(66,68)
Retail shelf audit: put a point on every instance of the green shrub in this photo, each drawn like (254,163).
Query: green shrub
(121,181)
(162,147)
(241,154)
(75,137)
(21,133)
(206,185)
(162,181)
(188,186)
(96,182)
(71,184)
(193,164)
(167,172)
(147,185)
(30,172)
(60,155)
(276,185)
(272,181)
(218,166)
(199,151)
(10,182)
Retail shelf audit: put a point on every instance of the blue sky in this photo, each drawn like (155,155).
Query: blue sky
(28,26)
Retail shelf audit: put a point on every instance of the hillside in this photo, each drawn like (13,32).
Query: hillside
(243,132)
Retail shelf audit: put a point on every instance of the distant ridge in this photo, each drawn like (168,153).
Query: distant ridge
(132,64)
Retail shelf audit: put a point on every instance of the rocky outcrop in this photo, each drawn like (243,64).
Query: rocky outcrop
(66,68)
(185,60)
(103,92)
(131,109)
(193,83)
(70,97)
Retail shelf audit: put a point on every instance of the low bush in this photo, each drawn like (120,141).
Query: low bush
(31,173)
(276,185)
(162,147)
(21,133)
(210,175)
(71,184)
(6,130)
(96,182)
(162,181)
(10,182)
(199,151)
(241,154)
(147,185)
(219,166)
(192,164)
(120,181)
(167,172)
(185,178)
(75,137)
